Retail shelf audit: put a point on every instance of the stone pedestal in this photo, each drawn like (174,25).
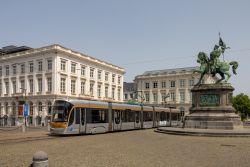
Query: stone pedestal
(212,108)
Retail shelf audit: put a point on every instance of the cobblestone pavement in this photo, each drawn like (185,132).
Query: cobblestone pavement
(140,148)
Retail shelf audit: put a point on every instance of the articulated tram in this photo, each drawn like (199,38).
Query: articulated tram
(91,117)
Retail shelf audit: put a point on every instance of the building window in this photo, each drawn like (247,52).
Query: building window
(131,95)
(49,64)
(191,82)
(49,84)
(22,83)
(40,84)
(31,108)
(63,85)
(163,84)
(147,85)
(182,82)
(49,108)
(63,65)
(182,96)
(83,70)
(155,84)
(172,96)
(99,75)
(113,93)
(113,78)
(14,86)
(7,87)
(1,71)
(119,94)
(73,86)
(126,96)
(99,90)
(91,89)
(7,71)
(172,84)
(40,107)
(31,85)
(0,89)
(31,67)
(182,112)
(73,67)
(106,76)
(119,80)
(91,74)
(40,66)
(14,69)
(22,68)
(147,97)
(106,91)
(82,88)
(163,96)
(155,97)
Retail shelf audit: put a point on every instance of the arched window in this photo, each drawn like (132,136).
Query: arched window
(182,111)
(40,108)
(13,108)
(49,108)
(6,108)
(31,108)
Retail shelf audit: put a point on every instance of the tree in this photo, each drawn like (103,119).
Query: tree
(241,103)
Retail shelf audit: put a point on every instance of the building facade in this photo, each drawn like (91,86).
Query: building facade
(129,91)
(168,88)
(39,76)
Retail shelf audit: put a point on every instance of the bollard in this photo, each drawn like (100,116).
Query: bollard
(48,127)
(23,128)
(40,159)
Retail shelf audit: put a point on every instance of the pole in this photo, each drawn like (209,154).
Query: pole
(170,117)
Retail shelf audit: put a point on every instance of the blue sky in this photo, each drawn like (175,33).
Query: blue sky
(138,35)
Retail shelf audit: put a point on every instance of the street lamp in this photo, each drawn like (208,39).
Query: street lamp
(25,117)
(165,102)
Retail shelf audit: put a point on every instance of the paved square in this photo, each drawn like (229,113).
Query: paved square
(139,148)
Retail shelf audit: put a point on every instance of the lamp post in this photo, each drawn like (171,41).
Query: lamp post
(25,117)
(165,102)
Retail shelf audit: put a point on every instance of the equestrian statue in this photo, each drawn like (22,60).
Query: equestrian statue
(213,65)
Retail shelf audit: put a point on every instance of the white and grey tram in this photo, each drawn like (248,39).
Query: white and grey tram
(91,117)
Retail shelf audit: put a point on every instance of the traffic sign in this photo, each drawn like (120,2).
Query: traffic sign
(25,106)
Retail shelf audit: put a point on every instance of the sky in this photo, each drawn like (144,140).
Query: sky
(138,35)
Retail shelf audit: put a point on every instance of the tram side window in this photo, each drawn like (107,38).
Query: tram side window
(128,116)
(77,115)
(99,116)
(148,116)
(163,116)
(71,118)
(82,116)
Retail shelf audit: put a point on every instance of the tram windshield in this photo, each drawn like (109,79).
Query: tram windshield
(61,111)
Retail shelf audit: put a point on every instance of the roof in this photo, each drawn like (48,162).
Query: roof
(170,71)
(23,50)
(129,86)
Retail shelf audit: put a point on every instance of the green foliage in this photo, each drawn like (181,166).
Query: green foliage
(241,103)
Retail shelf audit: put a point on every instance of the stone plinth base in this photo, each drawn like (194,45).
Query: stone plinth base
(212,108)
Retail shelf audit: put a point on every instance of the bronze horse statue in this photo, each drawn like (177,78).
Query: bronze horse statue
(214,66)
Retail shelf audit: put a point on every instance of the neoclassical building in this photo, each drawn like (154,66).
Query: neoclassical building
(169,88)
(39,76)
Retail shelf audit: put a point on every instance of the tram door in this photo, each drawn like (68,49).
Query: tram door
(82,120)
(117,120)
(137,119)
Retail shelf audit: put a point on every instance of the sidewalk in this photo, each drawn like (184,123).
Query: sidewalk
(16,133)
(244,132)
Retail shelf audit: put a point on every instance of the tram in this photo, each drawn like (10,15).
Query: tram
(91,117)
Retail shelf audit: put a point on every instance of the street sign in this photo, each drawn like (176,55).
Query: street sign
(25,106)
